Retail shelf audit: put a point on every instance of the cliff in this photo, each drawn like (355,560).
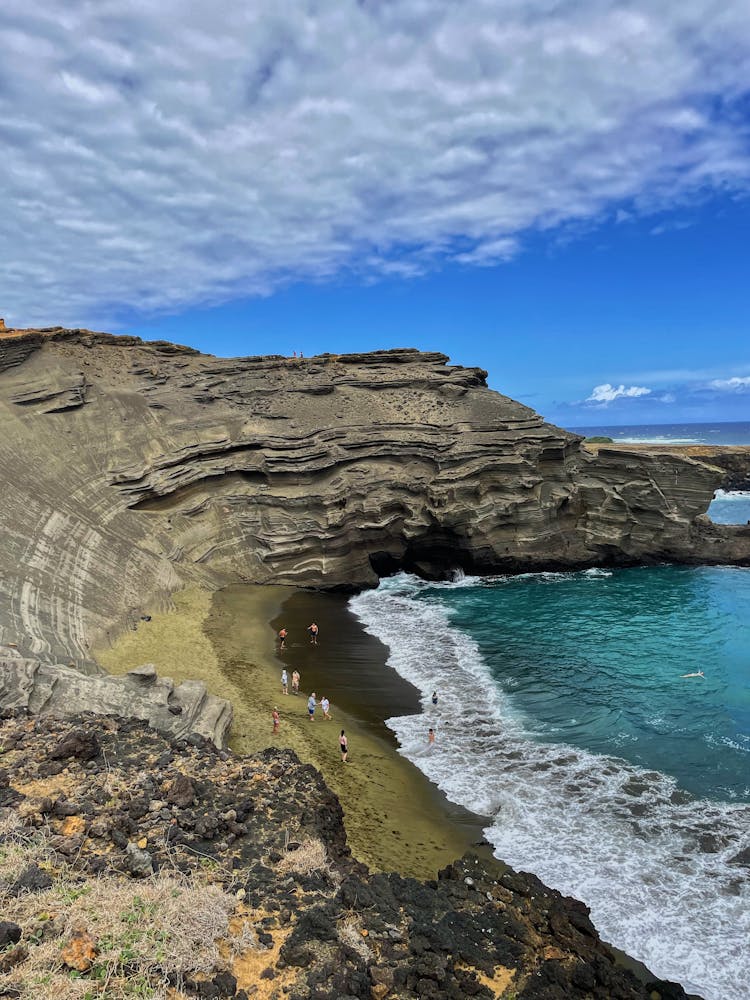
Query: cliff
(131,469)
(132,866)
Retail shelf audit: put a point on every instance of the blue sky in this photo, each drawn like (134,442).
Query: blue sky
(557,192)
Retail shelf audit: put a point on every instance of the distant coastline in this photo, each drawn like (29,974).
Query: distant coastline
(734,433)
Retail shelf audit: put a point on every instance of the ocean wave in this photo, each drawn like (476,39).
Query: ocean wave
(656,439)
(643,854)
(732,495)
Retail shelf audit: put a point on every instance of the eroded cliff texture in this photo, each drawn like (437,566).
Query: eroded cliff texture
(130,469)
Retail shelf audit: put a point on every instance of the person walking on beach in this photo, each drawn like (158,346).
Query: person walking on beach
(431,737)
(276,719)
(311,703)
(284,682)
(312,628)
(325,705)
(282,638)
(295,682)
(343,746)
(434,698)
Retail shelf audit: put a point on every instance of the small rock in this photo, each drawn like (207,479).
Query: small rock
(181,792)
(32,879)
(79,953)
(79,743)
(138,862)
(13,957)
(10,933)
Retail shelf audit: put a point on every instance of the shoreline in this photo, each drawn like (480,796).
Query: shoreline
(395,818)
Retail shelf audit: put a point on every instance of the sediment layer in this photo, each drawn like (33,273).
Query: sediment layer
(131,469)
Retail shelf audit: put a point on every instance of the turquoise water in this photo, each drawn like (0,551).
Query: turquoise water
(596,661)
(564,718)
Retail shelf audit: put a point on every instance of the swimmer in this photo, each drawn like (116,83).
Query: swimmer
(282,638)
(431,737)
(434,697)
(698,673)
(313,630)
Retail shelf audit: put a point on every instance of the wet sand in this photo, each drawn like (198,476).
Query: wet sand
(395,818)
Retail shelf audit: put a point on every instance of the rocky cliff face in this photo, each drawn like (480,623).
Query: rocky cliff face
(112,802)
(130,469)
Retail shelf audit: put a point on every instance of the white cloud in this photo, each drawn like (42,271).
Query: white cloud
(607,393)
(160,155)
(735,384)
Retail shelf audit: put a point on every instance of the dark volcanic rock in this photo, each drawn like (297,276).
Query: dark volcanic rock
(479,930)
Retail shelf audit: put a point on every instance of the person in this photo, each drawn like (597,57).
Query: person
(434,698)
(311,703)
(313,630)
(325,705)
(284,682)
(343,746)
(295,682)
(282,638)
(698,673)
(276,719)
(431,737)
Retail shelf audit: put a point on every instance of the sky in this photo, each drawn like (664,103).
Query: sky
(554,191)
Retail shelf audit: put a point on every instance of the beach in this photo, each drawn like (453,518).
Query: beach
(395,818)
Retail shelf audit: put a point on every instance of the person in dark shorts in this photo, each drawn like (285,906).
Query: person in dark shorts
(313,630)
(343,746)
(311,704)
(282,638)
(434,698)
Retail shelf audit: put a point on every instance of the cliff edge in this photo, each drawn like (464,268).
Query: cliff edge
(131,469)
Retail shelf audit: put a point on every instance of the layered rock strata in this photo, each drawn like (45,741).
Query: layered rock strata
(176,710)
(132,469)
(115,800)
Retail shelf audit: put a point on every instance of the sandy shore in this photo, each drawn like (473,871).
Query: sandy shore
(395,818)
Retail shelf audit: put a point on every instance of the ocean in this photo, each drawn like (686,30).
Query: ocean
(721,433)
(563,716)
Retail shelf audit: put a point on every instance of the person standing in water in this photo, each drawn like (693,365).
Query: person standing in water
(325,705)
(295,682)
(276,719)
(343,746)
(311,703)
(284,682)
(312,628)
(431,737)
(434,698)
(282,638)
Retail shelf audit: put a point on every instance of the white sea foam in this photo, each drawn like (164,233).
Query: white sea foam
(656,439)
(662,873)
(732,495)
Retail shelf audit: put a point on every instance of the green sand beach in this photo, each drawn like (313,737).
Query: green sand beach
(395,818)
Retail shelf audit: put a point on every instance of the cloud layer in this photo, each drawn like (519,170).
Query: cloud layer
(160,155)
(606,393)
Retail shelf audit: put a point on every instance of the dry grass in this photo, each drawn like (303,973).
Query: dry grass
(350,933)
(309,858)
(144,931)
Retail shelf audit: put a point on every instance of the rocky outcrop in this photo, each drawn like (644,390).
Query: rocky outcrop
(176,711)
(732,460)
(270,833)
(132,469)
